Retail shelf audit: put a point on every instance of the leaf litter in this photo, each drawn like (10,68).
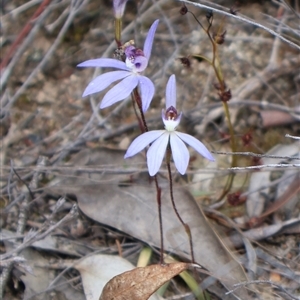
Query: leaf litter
(53,99)
(141,283)
(97,272)
(135,202)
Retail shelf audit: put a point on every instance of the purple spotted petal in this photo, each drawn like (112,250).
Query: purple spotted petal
(104,62)
(156,153)
(149,39)
(120,91)
(171,92)
(180,153)
(197,145)
(142,141)
(140,64)
(147,91)
(130,51)
(103,81)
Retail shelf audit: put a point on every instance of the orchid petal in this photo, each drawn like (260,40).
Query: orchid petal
(120,91)
(119,7)
(104,62)
(171,92)
(130,51)
(142,141)
(103,81)
(180,153)
(147,91)
(140,64)
(197,145)
(149,40)
(156,153)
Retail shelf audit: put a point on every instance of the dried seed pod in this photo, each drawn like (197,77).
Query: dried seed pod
(209,15)
(185,61)
(219,38)
(183,10)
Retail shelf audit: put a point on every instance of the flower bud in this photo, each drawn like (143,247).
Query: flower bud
(185,61)
(219,38)
(183,11)
(119,8)
(209,15)
(225,96)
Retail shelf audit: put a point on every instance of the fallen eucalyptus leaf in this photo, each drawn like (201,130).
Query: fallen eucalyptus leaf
(287,179)
(141,283)
(263,232)
(259,186)
(97,270)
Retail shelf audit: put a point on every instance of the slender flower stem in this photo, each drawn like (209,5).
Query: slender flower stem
(186,226)
(144,128)
(158,198)
(219,75)
(231,131)
(118,30)
(141,125)
(215,63)
(138,101)
(222,89)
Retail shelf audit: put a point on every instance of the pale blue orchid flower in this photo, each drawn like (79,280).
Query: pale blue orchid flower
(135,63)
(161,139)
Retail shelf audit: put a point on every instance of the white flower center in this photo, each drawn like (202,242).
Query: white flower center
(130,63)
(170,125)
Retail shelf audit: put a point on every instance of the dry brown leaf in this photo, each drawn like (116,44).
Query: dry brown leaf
(37,284)
(141,283)
(272,118)
(259,185)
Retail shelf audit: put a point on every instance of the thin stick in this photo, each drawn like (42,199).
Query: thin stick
(23,34)
(264,166)
(238,285)
(252,154)
(74,9)
(292,136)
(240,18)
(37,236)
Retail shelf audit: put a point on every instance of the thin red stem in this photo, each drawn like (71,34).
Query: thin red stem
(144,128)
(141,125)
(138,101)
(186,226)
(158,198)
